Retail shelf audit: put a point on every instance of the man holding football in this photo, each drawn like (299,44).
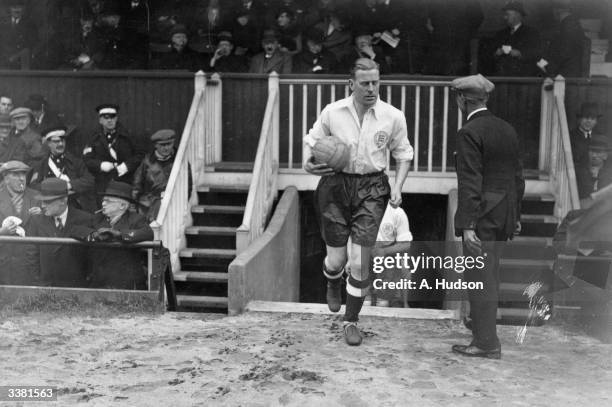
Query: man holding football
(351,202)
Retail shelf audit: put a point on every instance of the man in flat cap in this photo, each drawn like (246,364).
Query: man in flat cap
(517,47)
(151,177)
(60,266)
(118,268)
(22,119)
(596,172)
(17,204)
(111,154)
(64,165)
(490,189)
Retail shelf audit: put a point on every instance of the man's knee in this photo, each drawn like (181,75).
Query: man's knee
(336,259)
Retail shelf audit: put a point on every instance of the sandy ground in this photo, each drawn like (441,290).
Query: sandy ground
(262,359)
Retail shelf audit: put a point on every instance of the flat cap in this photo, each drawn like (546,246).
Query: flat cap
(516,6)
(55,131)
(599,142)
(107,108)
(473,85)
(20,112)
(163,135)
(14,166)
(5,120)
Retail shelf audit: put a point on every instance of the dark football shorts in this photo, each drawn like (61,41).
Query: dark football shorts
(351,205)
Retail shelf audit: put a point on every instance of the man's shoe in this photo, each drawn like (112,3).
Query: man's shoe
(352,334)
(476,352)
(334,295)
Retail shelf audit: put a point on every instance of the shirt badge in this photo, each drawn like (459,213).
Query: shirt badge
(381,138)
(388,230)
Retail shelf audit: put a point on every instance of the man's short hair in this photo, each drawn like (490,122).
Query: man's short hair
(363,64)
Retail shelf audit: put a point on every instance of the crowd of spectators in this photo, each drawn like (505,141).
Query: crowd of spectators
(289,36)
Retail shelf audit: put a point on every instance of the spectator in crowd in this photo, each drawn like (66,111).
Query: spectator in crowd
(564,55)
(180,57)
(19,37)
(43,116)
(596,172)
(17,205)
(581,135)
(136,30)
(112,40)
(168,13)
(151,177)
(22,119)
(11,148)
(272,59)
(111,154)
(207,28)
(288,32)
(6,104)
(365,49)
(83,50)
(60,265)
(253,10)
(64,165)
(118,268)
(337,37)
(315,58)
(517,47)
(296,8)
(224,59)
(246,34)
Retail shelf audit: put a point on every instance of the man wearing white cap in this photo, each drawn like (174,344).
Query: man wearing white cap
(64,165)
(490,189)
(22,118)
(111,154)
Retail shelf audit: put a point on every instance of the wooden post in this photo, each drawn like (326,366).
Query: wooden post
(546,106)
(218,117)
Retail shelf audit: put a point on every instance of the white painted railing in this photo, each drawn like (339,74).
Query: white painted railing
(401,93)
(262,190)
(555,148)
(200,145)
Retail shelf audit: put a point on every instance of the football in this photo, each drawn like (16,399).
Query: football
(331,151)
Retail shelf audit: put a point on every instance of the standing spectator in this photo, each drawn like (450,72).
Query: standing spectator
(67,167)
(60,265)
(272,59)
(118,268)
(596,172)
(11,148)
(111,154)
(517,47)
(22,119)
(180,57)
(315,58)
(19,37)
(6,104)
(43,116)
(490,187)
(564,56)
(224,59)
(17,205)
(152,175)
(581,135)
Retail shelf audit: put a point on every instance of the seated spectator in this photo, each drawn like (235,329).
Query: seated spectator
(206,30)
(60,265)
(288,32)
(364,49)
(246,33)
(337,37)
(62,164)
(118,268)
(297,8)
(517,47)
(580,136)
(6,104)
(17,204)
(11,148)
(314,59)
(43,116)
(224,59)
(19,37)
(595,174)
(564,54)
(272,59)
(180,56)
(83,49)
(22,119)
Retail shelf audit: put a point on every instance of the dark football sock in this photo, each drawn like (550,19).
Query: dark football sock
(353,308)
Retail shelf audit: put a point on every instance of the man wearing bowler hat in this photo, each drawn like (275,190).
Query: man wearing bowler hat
(581,135)
(22,119)
(118,268)
(62,164)
(60,265)
(111,154)
(490,189)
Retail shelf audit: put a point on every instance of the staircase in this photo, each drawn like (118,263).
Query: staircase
(201,284)
(528,258)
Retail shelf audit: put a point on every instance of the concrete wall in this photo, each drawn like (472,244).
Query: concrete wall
(269,270)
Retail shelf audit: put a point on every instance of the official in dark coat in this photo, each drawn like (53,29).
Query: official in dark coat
(581,135)
(111,154)
(517,47)
(18,263)
(61,265)
(118,268)
(66,166)
(490,189)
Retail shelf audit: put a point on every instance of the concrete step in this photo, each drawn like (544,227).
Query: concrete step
(514,292)
(538,225)
(525,270)
(516,316)
(529,247)
(201,276)
(201,301)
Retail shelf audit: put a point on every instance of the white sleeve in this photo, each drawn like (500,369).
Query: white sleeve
(319,129)
(400,147)
(402,226)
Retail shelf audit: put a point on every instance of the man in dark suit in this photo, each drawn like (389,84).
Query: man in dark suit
(118,268)
(224,59)
(517,47)
(490,188)
(581,135)
(111,154)
(596,172)
(60,266)
(19,37)
(272,59)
